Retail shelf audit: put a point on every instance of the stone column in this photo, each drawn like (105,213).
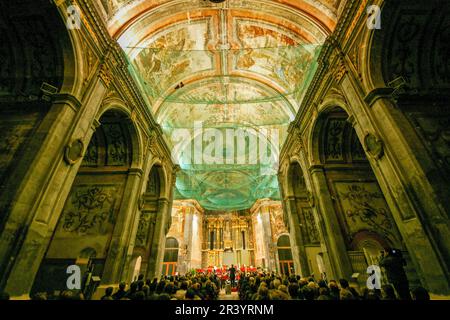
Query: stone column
(417,196)
(270,247)
(297,244)
(332,233)
(188,220)
(412,184)
(40,197)
(159,238)
(117,254)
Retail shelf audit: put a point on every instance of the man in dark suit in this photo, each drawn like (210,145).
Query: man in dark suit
(393,262)
(232,271)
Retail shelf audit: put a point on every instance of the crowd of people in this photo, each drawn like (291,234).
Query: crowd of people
(272,287)
(253,286)
(250,286)
(257,285)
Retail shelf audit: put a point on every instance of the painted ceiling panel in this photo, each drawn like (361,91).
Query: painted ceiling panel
(223,81)
(224,100)
(173,55)
(119,12)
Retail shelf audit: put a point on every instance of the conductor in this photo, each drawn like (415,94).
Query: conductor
(232,271)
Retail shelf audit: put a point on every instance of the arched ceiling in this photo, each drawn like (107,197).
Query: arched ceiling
(237,64)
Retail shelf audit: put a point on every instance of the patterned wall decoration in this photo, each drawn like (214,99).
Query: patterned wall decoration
(422,65)
(334,140)
(364,208)
(116,144)
(91,155)
(87,221)
(13,133)
(435,130)
(90,210)
(339,141)
(312,233)
(145,222)
(357,151)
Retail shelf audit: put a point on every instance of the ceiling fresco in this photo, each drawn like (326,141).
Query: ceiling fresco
(120,11)
(219,101)
(238,70)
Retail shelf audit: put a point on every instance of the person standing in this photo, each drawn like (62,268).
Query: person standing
(393,262)
(232,271)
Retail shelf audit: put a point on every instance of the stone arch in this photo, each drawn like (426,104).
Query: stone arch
(48,54)
(158,167)
(285,255)
(422,30)
(406,74)
(117,105)
(299,215)
(294,174)
(75,64)
(353,188)
(331,103)
(154,219)
(171,252)
(36,66)
(40,72)
(96,207)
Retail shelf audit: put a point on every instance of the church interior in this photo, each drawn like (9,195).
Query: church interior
(146,139)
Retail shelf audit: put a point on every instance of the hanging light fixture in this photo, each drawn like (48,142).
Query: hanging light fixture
(217,1)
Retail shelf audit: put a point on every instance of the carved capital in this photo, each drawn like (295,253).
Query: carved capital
(341,69)
(152,142)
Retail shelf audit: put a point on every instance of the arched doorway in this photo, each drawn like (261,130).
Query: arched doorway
(38,60)
(304,231)
(170,256)
(94,205)
(285,259)
(154,222)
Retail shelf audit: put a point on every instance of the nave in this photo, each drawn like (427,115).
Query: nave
(303,144)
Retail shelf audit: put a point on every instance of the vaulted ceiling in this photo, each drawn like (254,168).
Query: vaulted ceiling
(235,64)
